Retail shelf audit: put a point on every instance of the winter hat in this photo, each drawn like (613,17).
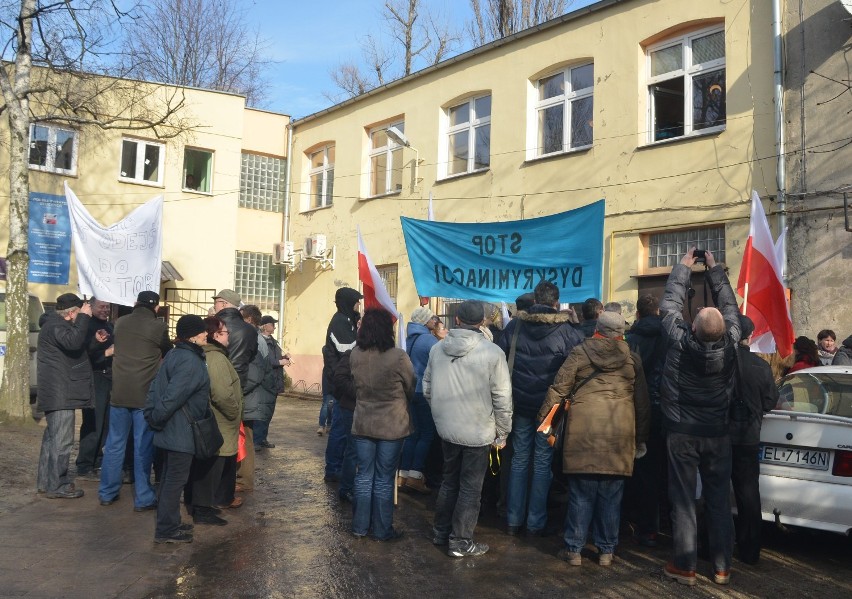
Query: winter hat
(267,320)
(190,325)
(610,324)
(422,315)
(746,327)
(525,301)
(149,298)
(470,312)
(230,296)
(68,300)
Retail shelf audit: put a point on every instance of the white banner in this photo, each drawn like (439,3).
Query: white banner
(115,263)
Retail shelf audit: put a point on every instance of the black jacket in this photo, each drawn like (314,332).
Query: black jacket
(545,339)
(242,342)
(64,371)
(756,394)
(261,388)
(340,335)
(141,341)
(344,384)
(698,378)
(843,356)
(587,327)
(96,349)
(647,338)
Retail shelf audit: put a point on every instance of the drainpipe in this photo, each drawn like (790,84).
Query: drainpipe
(285,231)
(781,163)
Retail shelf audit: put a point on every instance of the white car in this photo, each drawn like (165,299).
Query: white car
(806,451)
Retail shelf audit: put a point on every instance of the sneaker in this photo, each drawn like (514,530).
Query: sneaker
(178,537)
(686,577)
(70,493)
(188,527)
(723,577)
(572,557)
(209,519)
(605,559)
(321,431)
(418,485)
(466,549)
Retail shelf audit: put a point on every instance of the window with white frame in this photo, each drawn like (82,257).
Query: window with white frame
(322,177)
(198,170)
(262,182)
(142,161)
(686,85)
(385,160)
(53,149)
(564,110)
(256,280)
(667,248)
(469,136)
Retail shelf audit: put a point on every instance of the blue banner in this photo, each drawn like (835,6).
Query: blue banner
(500,261)
(49,239)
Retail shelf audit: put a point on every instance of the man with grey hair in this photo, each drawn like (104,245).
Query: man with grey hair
(697,387)
(467,385)
(612,307)
(64,385)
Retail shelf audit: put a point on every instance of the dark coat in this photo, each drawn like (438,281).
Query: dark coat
(141,341)
(181,381)
(339,336)
(756,394)
(64,371)
(609,414)
(97,349)
(384,385)
(226,398)
(275,355)
(647,338)
(418,341)
(545,339)
(344,384)
(587,327)
(843,356)
(261,388)
(242,342)
(698,378)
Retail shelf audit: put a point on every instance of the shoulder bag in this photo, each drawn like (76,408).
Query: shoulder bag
(205,434)
(553,424)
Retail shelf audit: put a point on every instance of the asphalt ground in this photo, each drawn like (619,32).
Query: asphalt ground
(291,539)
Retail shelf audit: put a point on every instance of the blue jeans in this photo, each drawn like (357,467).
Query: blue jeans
(347,473)
(711,458)
(457,507)
(341,426)
(593,499)
(121,421)
(527,445)
(377,463)
(417,445)
(326,409)
(55,453)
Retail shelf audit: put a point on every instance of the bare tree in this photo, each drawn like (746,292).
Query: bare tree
(198,43)
(418,36)
(495,19)
(50,52)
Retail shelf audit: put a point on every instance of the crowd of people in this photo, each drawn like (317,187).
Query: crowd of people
(654,411)
(141,395)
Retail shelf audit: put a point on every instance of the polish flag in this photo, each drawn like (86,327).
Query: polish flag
(375,293)
(760,284)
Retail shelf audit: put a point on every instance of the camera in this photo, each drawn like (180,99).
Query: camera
(700,256)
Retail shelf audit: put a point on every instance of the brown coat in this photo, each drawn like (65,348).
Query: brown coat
(384,385)
(610,414)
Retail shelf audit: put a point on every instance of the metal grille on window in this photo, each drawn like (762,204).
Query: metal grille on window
(256,280)
(666,249)
(262,182)
(388,274)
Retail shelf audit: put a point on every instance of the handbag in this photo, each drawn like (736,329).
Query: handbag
(553,424)
(205,434)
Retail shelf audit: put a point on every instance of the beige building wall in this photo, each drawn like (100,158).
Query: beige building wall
(201,230)
(648,187)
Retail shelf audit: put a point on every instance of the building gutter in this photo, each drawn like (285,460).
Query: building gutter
(781,163)
(285,231)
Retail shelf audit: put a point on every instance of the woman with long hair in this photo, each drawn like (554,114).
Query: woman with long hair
(180,391)
(806,352)
(384,384)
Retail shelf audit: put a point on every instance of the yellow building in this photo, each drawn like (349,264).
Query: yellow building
(223,186)
(663,108)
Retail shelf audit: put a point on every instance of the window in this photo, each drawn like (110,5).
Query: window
(564,110)
(687,85)
(322,177)
(53,149)
(469,136)
(385,161)
(388,274)
(257,281)
(198,170)
(666,249)
(142,161)
(262,182)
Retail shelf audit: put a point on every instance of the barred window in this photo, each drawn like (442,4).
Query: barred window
(388,274)
(262,182)
(666,249)
(256,280)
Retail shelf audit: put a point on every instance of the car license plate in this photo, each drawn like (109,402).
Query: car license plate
(796,457)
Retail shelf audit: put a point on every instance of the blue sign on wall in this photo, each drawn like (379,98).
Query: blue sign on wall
(49,239)
(500,261)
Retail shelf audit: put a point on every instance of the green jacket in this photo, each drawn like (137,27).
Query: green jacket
(226,398)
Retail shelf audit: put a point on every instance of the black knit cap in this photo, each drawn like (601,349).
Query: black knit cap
(471,312)
(190,325)
(68,300)
(746,327)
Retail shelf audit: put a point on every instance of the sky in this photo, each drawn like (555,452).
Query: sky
(308,39)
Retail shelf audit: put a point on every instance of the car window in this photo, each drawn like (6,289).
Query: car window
(35,310)
(821,393)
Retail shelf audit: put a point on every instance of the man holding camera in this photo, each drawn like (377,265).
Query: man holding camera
(696,391)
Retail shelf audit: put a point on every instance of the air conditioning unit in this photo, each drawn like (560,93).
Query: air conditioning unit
(315,246)
(282,253)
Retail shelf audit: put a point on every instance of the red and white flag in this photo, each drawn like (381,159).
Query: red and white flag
(762,288)
(373,288)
